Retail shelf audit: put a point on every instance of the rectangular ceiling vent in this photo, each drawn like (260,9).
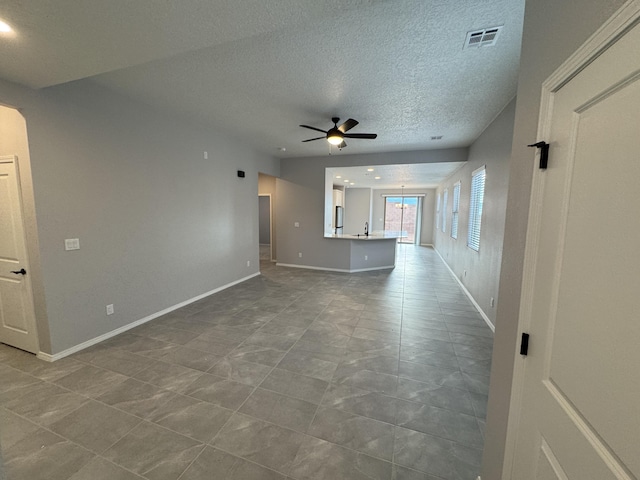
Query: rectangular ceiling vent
(486,37)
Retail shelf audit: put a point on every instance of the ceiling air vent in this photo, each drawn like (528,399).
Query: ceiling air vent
(486,37)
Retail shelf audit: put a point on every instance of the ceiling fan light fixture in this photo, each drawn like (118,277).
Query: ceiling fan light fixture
(334,138)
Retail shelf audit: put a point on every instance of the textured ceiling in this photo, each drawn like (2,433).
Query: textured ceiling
(425,175)
(259,68)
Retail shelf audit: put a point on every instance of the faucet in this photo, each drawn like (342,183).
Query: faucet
(366,229)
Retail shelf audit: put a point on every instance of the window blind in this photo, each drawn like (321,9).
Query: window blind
(475,208)
(454,210)
(445,195)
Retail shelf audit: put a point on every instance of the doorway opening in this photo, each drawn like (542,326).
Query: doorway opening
(264,227)
(401,215)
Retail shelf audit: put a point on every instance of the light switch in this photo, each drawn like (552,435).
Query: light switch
(72,244)
(296,224)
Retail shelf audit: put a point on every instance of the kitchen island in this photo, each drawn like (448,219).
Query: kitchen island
(360,253)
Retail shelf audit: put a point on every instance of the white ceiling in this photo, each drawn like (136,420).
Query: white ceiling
(259,68)
(419,175)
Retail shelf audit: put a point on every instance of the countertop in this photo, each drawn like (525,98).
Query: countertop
(371,237)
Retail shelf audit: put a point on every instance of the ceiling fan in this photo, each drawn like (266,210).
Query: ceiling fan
(337,134)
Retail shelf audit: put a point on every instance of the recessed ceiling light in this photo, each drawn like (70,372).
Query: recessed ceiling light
(377,178)
(338,176)
(369,169)
(352,183)
(346,181)
(5,28)
(282,149)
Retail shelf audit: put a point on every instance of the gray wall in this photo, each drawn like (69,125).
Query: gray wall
(428,206)
(492,149)
(552,32)
(303,199)
(357,209)
(158,224)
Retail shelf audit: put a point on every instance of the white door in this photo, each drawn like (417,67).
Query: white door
(580,415)
(17,318)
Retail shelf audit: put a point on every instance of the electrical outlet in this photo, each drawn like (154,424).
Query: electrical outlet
(299,254)
(110,309)
(296,224)
(366,257)
(465,273)
(248,263)
(71,244)
(492,303)
(206,155)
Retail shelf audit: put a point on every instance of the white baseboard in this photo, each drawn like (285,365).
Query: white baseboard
(341,270)
(57,356)
(426,245)
(468,294)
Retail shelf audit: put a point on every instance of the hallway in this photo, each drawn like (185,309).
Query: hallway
(295,374)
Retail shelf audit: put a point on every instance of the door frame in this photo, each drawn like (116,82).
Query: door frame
(615,27)
(270,224)
(27,264)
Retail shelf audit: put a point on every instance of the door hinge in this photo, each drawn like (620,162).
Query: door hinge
(524,344)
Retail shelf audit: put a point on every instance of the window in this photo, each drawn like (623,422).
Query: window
(438,211)
(445,195)
(454,210)
(475,208)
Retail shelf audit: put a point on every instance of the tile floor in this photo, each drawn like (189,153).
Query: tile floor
(295,374)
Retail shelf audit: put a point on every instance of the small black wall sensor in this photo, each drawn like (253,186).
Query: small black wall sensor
(241,173)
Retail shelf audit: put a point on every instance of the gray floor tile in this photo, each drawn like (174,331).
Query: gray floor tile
(42,403)
(214,464)
(321,460)
(193,418)
(240,371)
(91,381)
(188,357)
(119,361)
(361,402)
(43,455)
(219,391)
(309,364)
(101,469)
(168,376)
(95,426)
(355,432)
(137,398)
(435,455)
(297,386)
(367,380)
(264,443)
(458,427)
(257,354)
(154,452)
(454,399)
(374,349)
(272,341)
(279,409)
(404,473)
(14,428)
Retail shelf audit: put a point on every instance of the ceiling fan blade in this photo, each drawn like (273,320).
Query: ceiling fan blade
(313,128)
(342,145)
(348,125)
(369,136)
(312,139)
